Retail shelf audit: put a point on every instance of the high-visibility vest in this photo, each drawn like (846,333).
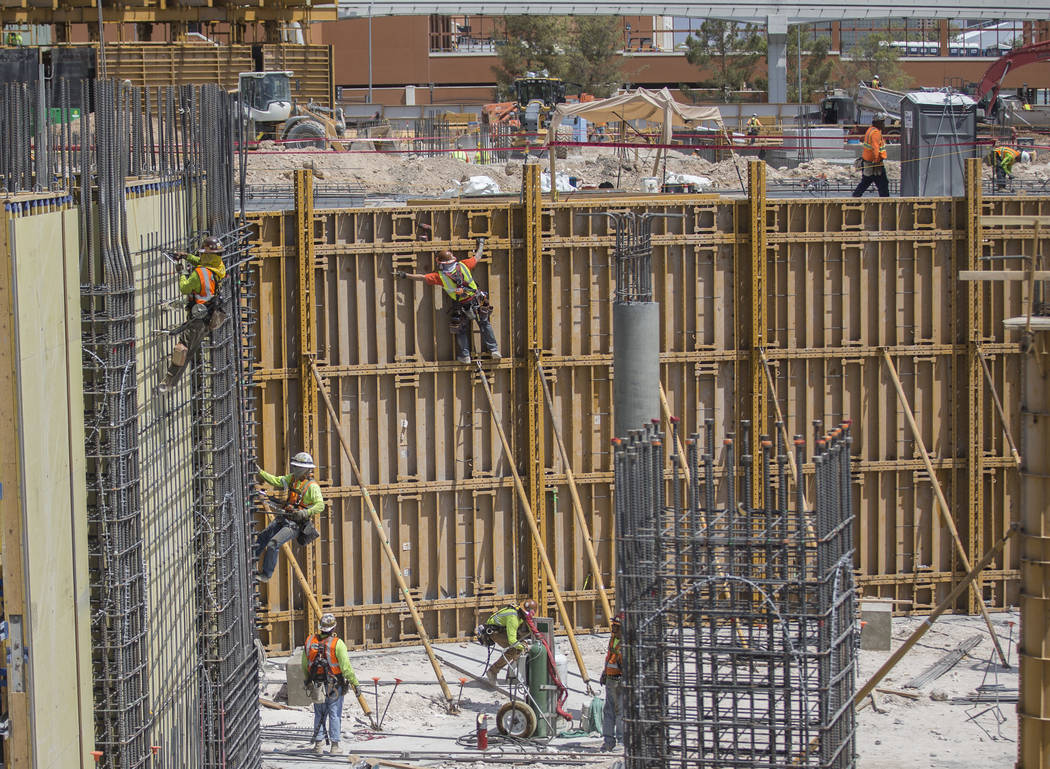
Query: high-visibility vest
(207,280)
(876,83)
(460,284)
(614,658)
(316,645)
(754,124)
(874,146)
(297,491)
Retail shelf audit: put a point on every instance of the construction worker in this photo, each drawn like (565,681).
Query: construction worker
(876,83)
(468,301)
(507,628)
(328,676)
(14,37)
(612,679)
(295,519)
(873,156)
(199,282)
(1002,160)
(754,125)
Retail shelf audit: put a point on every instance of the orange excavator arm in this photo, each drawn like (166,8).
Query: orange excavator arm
(993,78)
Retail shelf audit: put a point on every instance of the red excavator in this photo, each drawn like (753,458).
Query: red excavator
(993,78)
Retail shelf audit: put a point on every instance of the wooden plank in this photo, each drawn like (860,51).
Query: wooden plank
(1000,275)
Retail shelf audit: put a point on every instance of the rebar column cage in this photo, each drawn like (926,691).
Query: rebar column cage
(739,632)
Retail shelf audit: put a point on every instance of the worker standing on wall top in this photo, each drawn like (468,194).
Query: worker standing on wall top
(14,37)
(754,125)
(295,519)
(508,629)
(873,166)
(328,676)
(1002,160)
(199,282)
(612,680)
(469,301)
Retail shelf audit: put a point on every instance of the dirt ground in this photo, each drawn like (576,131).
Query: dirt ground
(936,729)
(402,174)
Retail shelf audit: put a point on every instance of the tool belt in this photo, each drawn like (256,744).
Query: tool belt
(475,308)
(483,634)
(307,531)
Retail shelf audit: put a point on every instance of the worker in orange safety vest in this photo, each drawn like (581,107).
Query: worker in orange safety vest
(328,675)
(873,156)
(612,680)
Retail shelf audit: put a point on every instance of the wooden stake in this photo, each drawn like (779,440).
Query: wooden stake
(577,506)
(541,547)
(377,524)
(942,503)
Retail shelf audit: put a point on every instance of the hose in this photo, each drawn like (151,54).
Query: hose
(552,669)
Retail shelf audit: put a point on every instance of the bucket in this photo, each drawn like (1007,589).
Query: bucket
(651,184)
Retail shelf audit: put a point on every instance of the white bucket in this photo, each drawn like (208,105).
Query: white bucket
(651,184)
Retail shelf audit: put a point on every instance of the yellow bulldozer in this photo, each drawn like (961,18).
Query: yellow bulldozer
(272,114)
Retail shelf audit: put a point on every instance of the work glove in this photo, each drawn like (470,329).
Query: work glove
(357,690)
(601,679)
(399,274)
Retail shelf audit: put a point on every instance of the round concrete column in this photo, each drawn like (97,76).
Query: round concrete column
(636,365)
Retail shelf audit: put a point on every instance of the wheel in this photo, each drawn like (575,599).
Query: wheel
(305,133)
(516,719)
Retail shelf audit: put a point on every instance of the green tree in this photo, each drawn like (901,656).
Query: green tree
(533,43)
(817,66)
(729,49)
(871,56)
(594,53)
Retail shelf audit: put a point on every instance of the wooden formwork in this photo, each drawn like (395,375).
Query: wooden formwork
(819,287)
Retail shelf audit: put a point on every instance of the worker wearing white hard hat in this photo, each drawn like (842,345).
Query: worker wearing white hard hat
(295,512)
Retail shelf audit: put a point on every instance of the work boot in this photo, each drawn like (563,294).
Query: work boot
(318,748)
(463,358)
(491,674)
(608,746)
(495,355)
(337,749)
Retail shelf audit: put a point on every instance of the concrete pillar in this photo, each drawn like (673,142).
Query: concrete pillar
(1033,705)
(776,58)
(636,365)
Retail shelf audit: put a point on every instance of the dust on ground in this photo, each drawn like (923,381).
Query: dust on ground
(937,728)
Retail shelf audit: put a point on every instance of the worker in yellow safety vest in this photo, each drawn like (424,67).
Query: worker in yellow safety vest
(873,156)
(14,38)
(1002,160)
(509,629)
(754,125)
(612,680)
(199,283)
(295,517)
(327,675)
(876,83)
(469,302)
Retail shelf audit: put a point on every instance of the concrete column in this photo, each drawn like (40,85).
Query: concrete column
(776,58)
(1033,705)
(636,365)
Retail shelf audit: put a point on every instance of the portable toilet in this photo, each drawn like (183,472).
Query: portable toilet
(938,133)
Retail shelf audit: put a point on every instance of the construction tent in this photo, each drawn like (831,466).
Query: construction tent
(640,104)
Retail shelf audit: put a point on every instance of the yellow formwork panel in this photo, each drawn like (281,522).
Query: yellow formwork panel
(843,279)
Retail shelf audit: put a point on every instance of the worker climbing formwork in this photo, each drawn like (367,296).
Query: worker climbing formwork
(294,514)
(201,276)
(469,302)
(507,628)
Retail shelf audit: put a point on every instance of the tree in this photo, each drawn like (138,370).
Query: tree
(731,50)
(872,55)
(817,66)
(594,53)
(533,43)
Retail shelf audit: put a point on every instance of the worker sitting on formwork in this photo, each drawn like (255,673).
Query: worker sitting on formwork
(199,282)
(1002,160)
(294,514)
(507,628)
(468,301)
(327,675)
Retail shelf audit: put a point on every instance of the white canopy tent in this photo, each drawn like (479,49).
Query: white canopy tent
(639,104)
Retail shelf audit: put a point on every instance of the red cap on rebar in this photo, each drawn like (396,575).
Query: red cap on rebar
(616,441)
(767,444)
(155,749)
(463,681)
(375,678)
(674,420)
(656,442)
(397,680)
(727,442)
(655,421)
(97,755)
(799,442)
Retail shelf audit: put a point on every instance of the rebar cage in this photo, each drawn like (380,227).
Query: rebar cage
(739,630)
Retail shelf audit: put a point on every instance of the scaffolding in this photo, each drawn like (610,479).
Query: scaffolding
(739,629)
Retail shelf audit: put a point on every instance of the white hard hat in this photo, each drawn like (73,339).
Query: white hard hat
(1025,157)
(882,117)
(327,623)
(303,461)
(754,114)
(878,78)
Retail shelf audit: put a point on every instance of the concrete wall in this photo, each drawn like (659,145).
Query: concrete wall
(44,544)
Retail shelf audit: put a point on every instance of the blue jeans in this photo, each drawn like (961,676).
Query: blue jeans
(612,714)
(488,336)
(270,539)
(332,709)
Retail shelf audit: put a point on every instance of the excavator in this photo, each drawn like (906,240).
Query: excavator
(267,99)
(1013,111)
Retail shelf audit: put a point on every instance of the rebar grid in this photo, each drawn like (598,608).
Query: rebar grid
(175,666)
(740,631)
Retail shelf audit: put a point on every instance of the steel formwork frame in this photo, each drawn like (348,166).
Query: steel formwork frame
(842,279)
